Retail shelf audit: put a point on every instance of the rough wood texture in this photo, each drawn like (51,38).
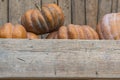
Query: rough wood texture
(91,12)
(78,12)
(118,9)
(49,1)
(3,11)
(59,58)
(66,6)
(18,7)
(104,8)
(114,5)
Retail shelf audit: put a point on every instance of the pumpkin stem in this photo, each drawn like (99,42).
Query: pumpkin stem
(38,6)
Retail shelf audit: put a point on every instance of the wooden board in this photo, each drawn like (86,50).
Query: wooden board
(114,6)
(66,6)
(3,11)
(59,59)
(91,12)
(49,1)
(118,9)
(18,7)
(104,8)
(78,12)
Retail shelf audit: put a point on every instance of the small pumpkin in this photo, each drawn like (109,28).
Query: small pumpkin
(74,32)
(32,36)
(45,20)
(9,30)
(109,27)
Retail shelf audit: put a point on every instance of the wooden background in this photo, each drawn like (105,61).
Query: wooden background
(76,11)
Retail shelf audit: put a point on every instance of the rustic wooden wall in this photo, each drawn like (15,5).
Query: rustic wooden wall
(76,11)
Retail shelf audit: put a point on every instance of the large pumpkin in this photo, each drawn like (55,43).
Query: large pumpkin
(9,30)
(48,19)
(74,32)
(109,27)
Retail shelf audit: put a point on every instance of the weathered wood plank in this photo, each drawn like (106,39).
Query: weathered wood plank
(66,6)
(59,58)
(18,7)
(104,8)
(91,12)
(118,6)
(114,5)
(78,12)
(49,1)
(3,11)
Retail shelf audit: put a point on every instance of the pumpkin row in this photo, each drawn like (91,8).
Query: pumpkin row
(50,19)
(9,30)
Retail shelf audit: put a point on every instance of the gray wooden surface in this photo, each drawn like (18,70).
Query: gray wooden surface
(59,59)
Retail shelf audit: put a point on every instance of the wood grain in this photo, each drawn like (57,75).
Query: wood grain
(114,6)
(91,12)
(118,6)
(104,8)
(59,59)
(49,1)
(3,11)
(66,6)
(18,7)
(78,12)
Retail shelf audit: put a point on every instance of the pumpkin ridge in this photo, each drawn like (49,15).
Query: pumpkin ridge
(54,15)
(35,23)
(29,22)
(72,32)
(77,31)
(49,20)
(106,30)
(62,33)
(81,32)
(58,16)
(60,13)
(32,25)
(95,35)
(114,27)
(98,30)
(42,22)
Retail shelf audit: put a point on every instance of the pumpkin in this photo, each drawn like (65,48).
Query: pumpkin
(9,30)
(45,20)
(109,27)
(74,32)
(32,36)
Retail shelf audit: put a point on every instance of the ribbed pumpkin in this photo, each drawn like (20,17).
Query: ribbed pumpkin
(109,27)
(32,36)
(48,19)
(9,30)
(74,32)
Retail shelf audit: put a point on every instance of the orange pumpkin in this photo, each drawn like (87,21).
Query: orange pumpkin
(109,27)
(74,32)
(48,19)
(32,36)
(9,30)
